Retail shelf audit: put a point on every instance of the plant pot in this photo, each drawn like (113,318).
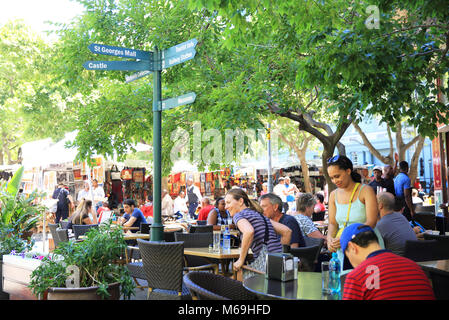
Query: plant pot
(16,275)
(3,295)
(88,293)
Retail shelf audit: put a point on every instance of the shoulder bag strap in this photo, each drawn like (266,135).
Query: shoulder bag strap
(350,203)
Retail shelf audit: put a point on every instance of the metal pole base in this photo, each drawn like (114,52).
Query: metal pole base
(157,232)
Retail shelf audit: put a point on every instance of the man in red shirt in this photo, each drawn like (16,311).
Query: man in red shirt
(380,274)
(206,207)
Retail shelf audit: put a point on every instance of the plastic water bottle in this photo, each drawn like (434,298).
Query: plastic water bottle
(334,274)
(227,240)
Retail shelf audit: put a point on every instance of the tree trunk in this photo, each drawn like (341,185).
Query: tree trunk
(401,148)
(301,154)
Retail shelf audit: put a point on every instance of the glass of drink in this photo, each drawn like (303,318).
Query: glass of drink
(325,277)
(216,241)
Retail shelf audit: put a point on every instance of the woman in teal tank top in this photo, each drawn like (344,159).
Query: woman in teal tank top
(363,208)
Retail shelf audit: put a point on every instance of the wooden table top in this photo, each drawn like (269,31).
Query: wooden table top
(204,252)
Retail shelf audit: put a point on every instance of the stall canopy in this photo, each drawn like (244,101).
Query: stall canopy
(43,153)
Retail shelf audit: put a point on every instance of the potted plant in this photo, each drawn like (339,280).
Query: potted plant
(17,210)
(96,264)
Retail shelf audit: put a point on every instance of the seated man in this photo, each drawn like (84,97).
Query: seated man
(272,209)
(393,226)
(378,273)
(206,207)
(133,217)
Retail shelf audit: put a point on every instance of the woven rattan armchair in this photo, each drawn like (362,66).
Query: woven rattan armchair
(163,267)
(81,229)
(209,286)
(197,240)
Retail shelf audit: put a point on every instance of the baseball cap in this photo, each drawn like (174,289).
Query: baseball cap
(350,232)
(378,168)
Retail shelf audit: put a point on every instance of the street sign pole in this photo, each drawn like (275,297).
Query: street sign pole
(157,228)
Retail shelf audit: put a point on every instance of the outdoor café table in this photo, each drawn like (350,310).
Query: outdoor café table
(322,226)
(442,265)
(221,256)
(306,287)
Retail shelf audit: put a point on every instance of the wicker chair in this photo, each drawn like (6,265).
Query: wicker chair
(307,256)
(54,235)
(81,229)
(163,266)
(169,236)
(209,286)
(64,224)
(201,229)
(62,235)
(145,228)
(135,266)
(440,283)
(197,240)
(423,250)
(318,216)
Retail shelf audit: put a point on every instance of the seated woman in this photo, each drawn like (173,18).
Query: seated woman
(133,217)
(257,231)
(219,215)
(81,215)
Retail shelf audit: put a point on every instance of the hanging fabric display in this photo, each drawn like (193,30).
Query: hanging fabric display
(127,174)
(138,175)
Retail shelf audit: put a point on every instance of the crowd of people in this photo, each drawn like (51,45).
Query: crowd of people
(381,210)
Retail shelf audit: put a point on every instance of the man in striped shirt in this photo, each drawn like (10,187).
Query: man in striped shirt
(380,274)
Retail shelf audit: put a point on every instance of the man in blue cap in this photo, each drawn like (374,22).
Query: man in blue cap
(380,274)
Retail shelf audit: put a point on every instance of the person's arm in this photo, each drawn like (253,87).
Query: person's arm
(408,200)
(198,194)
(72,203)
(332,243)
(212,217)
(130,222)
(283,231)
(247,231)
(369,198)
(94,215)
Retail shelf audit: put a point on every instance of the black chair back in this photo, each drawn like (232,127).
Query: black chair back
(423,250)
(318,216)
(195,240)
(62,235)
(81,229)
(440,283)
(145,228)
(308,256)
(201,229)
(64,224)
(54,235)
(163,266)
(209,286)
(169,236)
(313,242)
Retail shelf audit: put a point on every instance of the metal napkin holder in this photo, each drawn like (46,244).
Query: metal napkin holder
(280,266)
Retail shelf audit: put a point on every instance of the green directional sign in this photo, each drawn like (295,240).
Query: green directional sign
(137,75)
(118,65)
(179,48)
(179,58)
(178,101)
(120,52)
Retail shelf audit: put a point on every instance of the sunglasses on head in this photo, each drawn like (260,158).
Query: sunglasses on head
(333,159)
